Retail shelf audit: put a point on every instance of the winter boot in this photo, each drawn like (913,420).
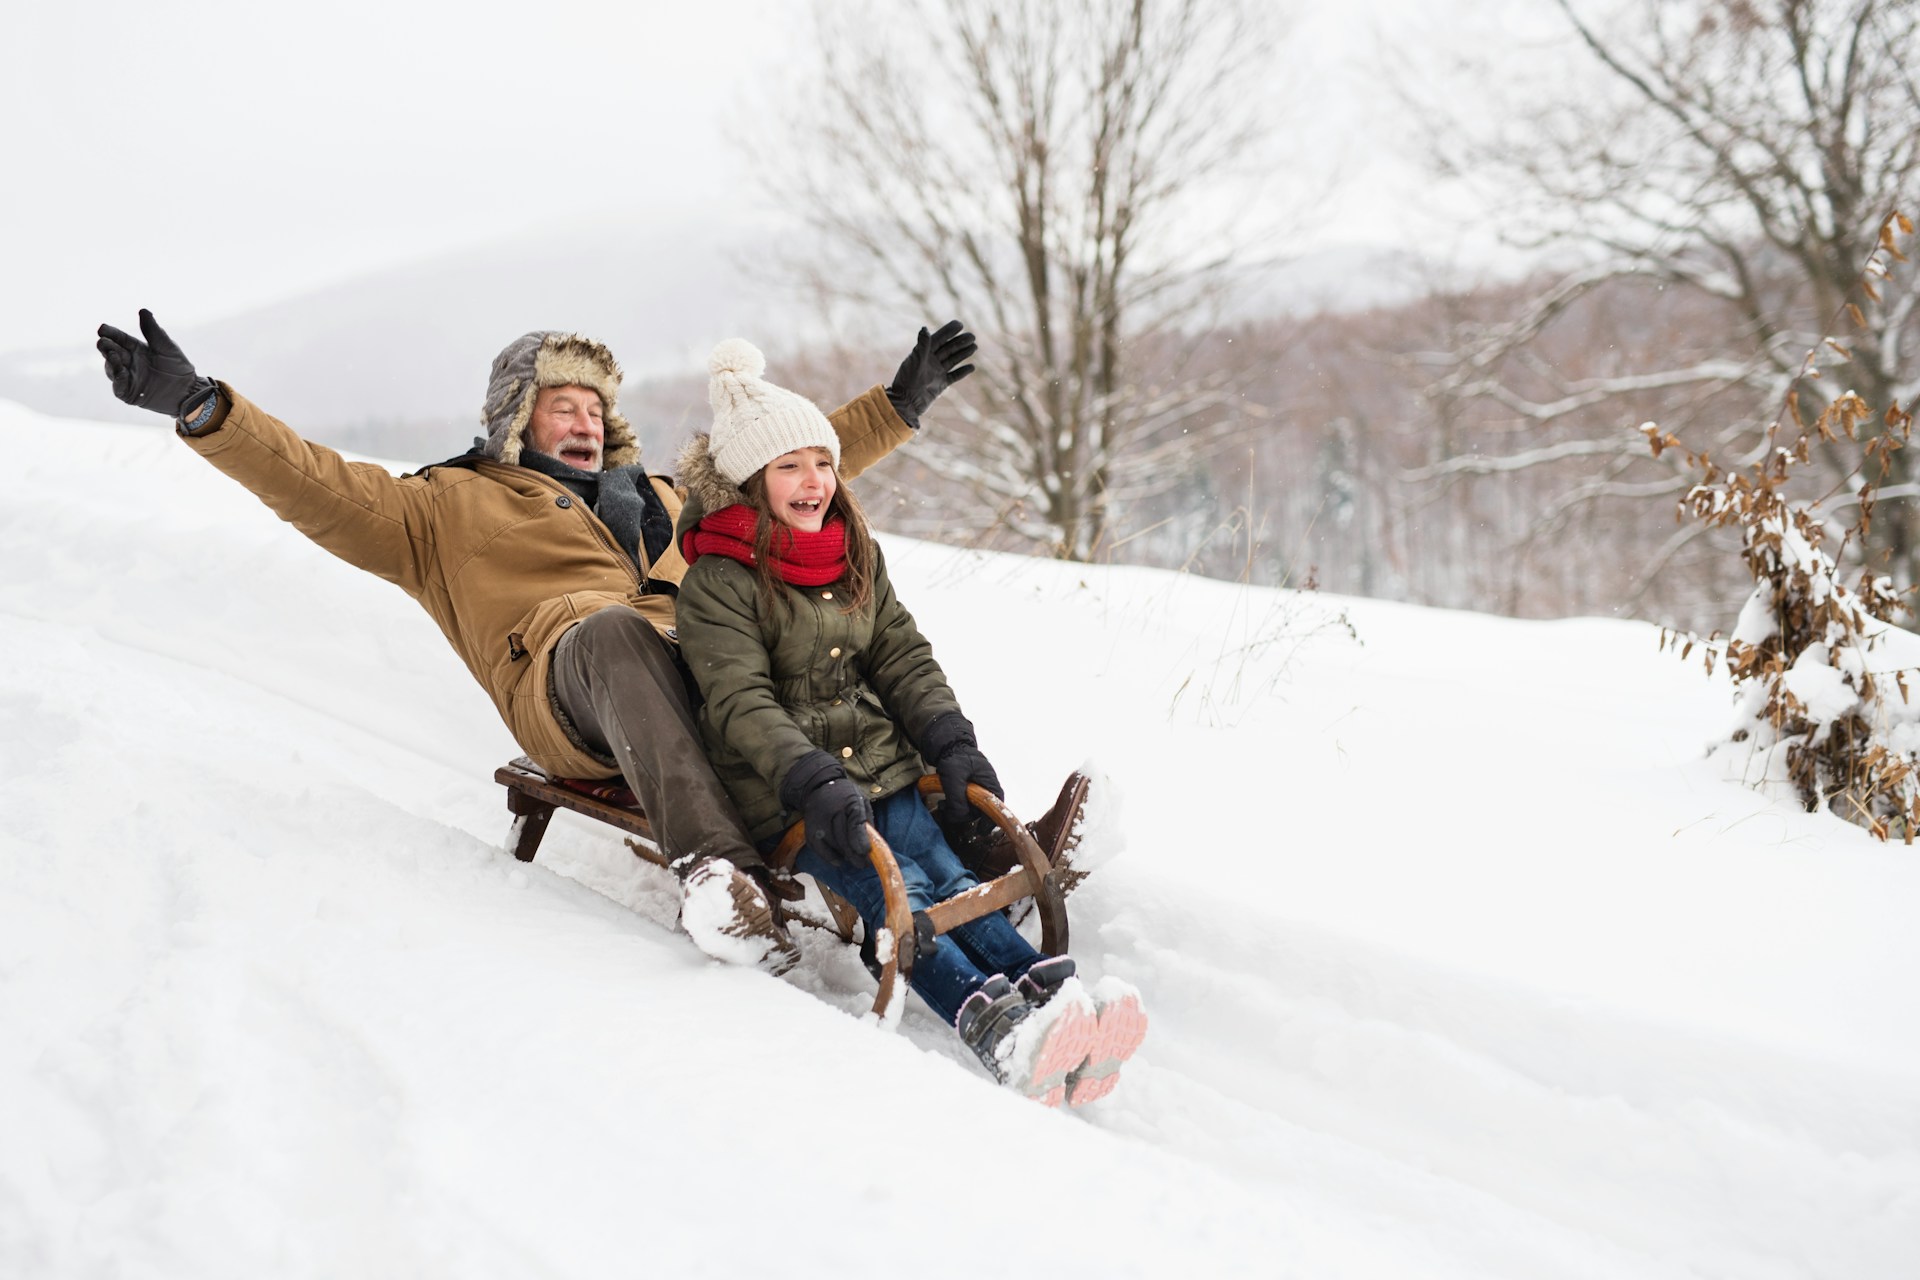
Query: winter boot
(1031,1050)
(1120,1024)
(1059,828)
(1044,978)
(730,917)
(989,854)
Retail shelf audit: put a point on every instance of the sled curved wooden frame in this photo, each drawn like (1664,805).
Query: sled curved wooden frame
(532,797)
(910,931)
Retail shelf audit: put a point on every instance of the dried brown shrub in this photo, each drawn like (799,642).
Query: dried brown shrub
(1799,655)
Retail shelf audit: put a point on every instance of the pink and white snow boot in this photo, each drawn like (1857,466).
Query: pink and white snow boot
(1066,1045)
(1120,1026)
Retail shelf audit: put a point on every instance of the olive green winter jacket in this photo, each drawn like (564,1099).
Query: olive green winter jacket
(778,684)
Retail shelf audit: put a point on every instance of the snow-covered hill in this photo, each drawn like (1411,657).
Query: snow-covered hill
(1461,961)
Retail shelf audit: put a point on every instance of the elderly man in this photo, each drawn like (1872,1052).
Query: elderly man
(545,554)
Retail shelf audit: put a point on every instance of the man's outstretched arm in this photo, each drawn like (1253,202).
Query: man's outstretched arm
(356,510)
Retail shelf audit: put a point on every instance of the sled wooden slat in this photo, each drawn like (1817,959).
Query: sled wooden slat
(994,895)
(532,797)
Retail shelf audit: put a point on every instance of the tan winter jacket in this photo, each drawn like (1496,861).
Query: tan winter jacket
(504,558)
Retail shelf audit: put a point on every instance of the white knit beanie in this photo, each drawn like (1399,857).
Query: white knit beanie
(754,421)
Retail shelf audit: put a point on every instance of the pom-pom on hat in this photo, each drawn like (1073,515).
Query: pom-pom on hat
(754,421)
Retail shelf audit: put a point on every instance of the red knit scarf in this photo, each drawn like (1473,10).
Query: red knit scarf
(800,557)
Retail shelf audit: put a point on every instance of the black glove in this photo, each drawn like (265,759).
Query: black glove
(949,747)
(154,374)
(836,813)
(930,370)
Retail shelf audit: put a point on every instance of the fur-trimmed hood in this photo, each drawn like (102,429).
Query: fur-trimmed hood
(548,358)
(707,490)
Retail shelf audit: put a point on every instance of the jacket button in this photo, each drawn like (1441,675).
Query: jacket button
(846,752)
(563,501)
(826,595)
(876,789)
(834,652)
(836,702)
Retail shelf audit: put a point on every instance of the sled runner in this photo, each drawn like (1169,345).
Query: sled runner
(533,796)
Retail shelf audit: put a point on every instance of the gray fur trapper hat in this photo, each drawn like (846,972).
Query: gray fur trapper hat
(548,358)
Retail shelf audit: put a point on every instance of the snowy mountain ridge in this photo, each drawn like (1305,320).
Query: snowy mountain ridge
(397,358)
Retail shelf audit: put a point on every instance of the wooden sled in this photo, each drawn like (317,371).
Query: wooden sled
(533,796)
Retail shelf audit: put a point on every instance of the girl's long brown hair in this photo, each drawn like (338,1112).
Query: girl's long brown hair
(860,550)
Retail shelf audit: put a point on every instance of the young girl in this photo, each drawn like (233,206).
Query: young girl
(823,702)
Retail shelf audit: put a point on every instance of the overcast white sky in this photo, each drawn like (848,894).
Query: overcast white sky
(222,153)
(205,156)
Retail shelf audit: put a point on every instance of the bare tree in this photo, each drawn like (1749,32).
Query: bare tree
(1072,178)
(1741,153)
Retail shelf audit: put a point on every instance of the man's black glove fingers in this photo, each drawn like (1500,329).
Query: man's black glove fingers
(151,374)
(164,347)
(954,350)
(937,361)
(124,360)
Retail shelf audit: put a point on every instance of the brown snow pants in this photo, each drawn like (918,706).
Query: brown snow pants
(622,686)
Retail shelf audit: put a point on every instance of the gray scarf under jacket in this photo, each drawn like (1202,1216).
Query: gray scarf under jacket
(624,501)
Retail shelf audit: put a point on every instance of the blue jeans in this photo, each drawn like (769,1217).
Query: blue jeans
(963,958)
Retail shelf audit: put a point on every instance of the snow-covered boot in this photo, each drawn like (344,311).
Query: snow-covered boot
(988,1014)
(1044,978)
(1120,1024)
(989,854)
(1030,1049)
(1059,830)
(730,917)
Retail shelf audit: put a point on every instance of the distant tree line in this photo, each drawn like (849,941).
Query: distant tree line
(1715,172)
